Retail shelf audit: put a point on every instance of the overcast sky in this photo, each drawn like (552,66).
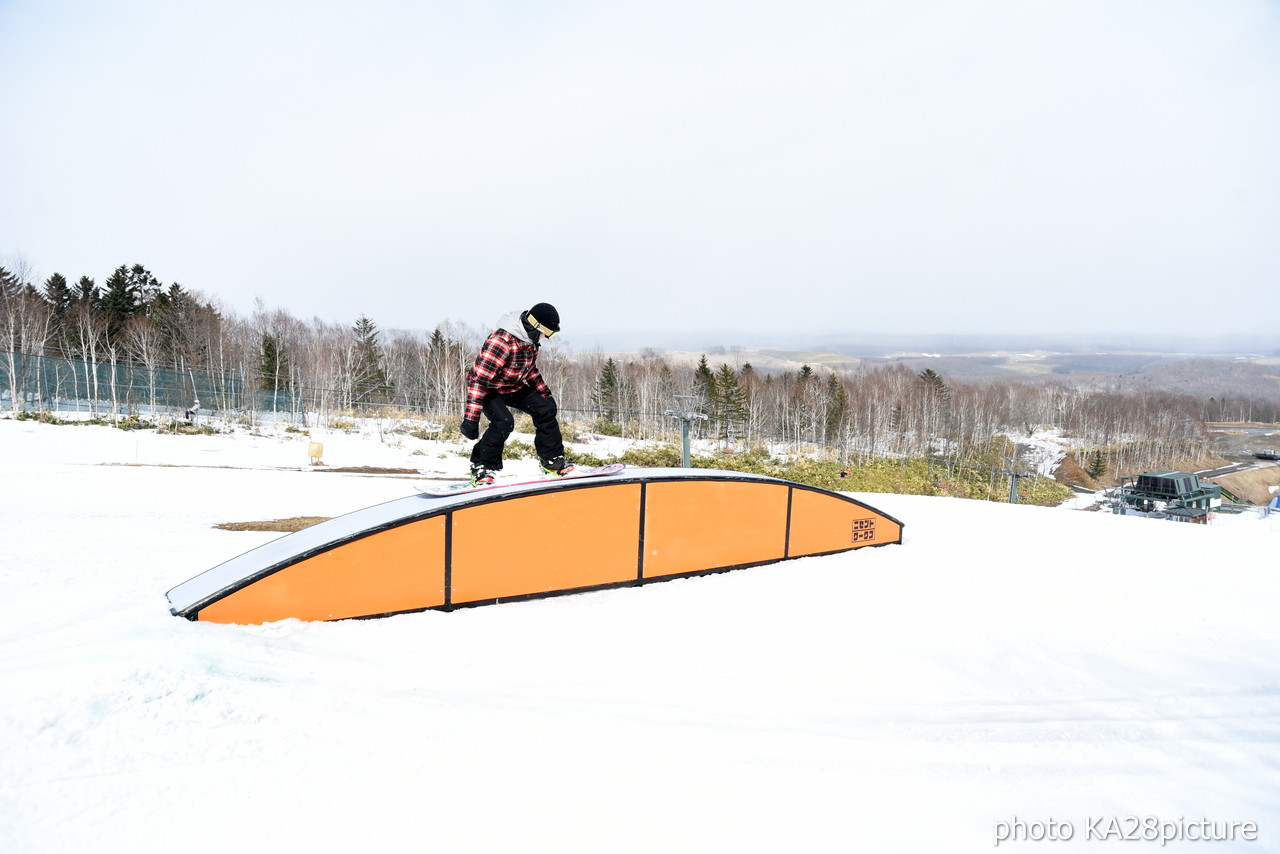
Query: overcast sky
(798,166)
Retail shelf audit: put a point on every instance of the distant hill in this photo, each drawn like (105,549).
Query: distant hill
(1199,376)
(1214,377)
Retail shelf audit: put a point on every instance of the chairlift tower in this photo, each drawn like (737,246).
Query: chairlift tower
(1014,476)
(685,410)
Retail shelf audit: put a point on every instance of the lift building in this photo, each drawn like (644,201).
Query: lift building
(1177,495)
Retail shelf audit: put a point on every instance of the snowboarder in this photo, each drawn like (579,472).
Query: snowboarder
(504,375)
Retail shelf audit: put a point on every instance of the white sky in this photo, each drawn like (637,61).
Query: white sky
(807,166)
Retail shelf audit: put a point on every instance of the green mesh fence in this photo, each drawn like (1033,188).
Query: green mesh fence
(58,384)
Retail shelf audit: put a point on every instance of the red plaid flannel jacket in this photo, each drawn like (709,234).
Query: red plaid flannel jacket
(504,365)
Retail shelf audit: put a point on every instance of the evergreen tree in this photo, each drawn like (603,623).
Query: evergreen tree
(86,292)
(119,300)
(178,299)
(368,378)
(837,406)
(1097,465)
(607,395)
(167,299)
(934,384)
(119,296)
(731,400)
(58,294)
(10,284)
(704,384)
(144,286)
(936,407)
(273,367)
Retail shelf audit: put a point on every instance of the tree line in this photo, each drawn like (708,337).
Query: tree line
(135,342)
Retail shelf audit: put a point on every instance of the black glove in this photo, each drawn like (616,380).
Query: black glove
(470,428)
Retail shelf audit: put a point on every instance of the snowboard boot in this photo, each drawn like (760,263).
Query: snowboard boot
(480,476)
(556,466)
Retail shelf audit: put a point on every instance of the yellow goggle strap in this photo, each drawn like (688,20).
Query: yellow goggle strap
(533,321)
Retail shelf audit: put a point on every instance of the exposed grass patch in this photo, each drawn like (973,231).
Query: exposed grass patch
(186,428)
(129,422)
(906,477)
(288,526)
(134,422)
(1253,486)
(44,416)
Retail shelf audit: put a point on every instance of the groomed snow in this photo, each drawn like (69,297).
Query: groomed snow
(1004,661)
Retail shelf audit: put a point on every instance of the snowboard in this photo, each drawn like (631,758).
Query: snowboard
(463,486)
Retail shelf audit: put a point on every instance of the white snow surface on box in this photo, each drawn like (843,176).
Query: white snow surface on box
(1005,661)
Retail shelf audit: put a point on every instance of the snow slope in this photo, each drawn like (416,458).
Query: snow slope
(1004,661)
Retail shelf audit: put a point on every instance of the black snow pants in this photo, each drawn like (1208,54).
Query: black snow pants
(547,440)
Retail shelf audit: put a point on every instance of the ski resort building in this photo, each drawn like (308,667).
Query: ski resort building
(1176,495)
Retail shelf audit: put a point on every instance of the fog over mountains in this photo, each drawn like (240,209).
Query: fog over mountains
(879,344)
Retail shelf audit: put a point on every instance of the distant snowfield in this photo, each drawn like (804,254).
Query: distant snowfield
(1005,661)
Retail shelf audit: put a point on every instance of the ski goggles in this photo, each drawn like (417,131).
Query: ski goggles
(533,321)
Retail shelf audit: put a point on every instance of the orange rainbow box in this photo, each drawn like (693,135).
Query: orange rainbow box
(422,552)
